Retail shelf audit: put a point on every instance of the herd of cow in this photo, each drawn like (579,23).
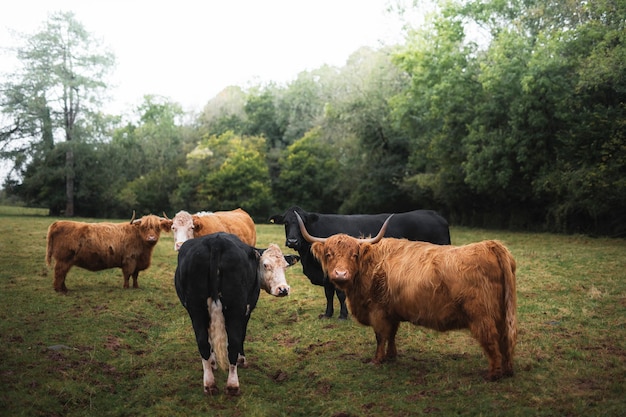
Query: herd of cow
(408,271)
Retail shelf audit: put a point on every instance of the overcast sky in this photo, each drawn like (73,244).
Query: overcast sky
(189,50)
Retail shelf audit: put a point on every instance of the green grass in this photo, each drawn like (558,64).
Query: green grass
(132,352)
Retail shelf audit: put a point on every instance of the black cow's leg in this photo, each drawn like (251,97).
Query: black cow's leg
(329,291)
(236,332)
(200,323)
(343,309)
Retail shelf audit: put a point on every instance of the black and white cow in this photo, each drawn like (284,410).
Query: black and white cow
(419,225)
(218,281)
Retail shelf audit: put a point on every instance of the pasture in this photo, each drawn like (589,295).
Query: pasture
(102,350)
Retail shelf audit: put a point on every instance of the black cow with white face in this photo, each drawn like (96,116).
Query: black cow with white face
(420,225)
(218,280)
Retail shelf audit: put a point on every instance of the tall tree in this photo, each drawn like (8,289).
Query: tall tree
(53,96)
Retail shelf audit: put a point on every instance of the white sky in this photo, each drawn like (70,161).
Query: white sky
(190,50)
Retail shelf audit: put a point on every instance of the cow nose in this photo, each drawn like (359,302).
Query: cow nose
(177,245)
(341,274)
(283,291)
(292,243)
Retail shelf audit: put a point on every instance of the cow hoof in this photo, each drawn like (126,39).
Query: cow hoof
(343,318)
(233,391)
(324,316)
(492,377)
(212,390)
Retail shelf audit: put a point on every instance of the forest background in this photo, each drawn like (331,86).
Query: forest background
(524,129)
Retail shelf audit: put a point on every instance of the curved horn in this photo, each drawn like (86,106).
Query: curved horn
(307,236)
(132,218)
(165,215)
(380,234)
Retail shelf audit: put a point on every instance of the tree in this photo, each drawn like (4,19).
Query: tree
(53,97)
(150,154)
(308,175)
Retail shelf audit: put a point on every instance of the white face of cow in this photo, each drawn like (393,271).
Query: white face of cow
(182,227)
(272,266)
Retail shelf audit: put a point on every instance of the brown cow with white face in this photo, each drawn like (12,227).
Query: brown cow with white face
(186,226)
(388,281)
(98,246)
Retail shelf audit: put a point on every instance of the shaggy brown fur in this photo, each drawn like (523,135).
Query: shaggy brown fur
(97,246)
(438,287)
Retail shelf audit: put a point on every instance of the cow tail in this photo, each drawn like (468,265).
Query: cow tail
(217,328)
(49,247)
(508,266)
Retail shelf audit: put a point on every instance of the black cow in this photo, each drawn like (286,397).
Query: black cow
(218,281)
(422,225)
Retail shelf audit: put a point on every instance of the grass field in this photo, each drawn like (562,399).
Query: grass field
(102,350)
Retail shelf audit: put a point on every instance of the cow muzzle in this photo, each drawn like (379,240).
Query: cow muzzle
(339,276)
(292,243)
(282,291)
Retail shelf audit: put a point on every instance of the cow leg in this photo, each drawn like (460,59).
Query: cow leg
(60,272)
(385,331)
(200,322)
(329,291)
(126,272)
(129,269)
(232,383)
(487,335)
(208,380)
(236,326)
(343,309)
(135,276)
(392,351)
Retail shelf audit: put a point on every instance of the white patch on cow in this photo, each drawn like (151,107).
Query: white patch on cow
(232,383)
(204,213)
(271,271)
(208,379)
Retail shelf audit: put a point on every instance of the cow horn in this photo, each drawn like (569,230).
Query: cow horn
(380,234)
(306,234)
(165,215)
(132,219)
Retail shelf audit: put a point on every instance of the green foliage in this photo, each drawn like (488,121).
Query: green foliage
(225,172)
(308,172)
(496,113)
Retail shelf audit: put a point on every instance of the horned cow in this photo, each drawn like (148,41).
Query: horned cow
(98,246)
(388,281)
(423,225)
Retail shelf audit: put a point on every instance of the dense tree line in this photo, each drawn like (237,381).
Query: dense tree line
(496,113)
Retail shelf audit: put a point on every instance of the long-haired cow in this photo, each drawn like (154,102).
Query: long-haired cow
(422,225)
(388,281)
(187,226)
(218,281)
(98,246)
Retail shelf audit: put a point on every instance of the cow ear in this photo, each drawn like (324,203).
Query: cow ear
(292,259)
(364,249)
(166,225)
(277,219)
(317,249)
